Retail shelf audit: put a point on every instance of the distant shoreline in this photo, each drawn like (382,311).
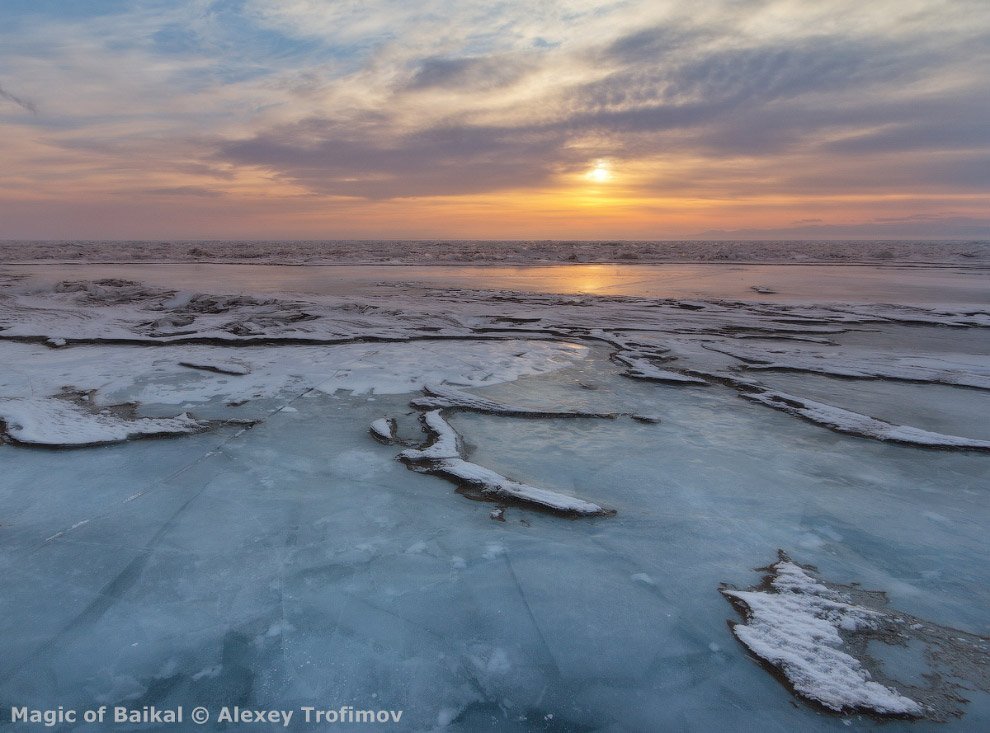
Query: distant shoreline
(969,254)
(505,263)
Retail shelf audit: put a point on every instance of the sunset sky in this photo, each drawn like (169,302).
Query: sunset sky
(495,119)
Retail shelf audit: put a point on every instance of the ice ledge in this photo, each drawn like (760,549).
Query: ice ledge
(854,423)
(440,397)
(442,457)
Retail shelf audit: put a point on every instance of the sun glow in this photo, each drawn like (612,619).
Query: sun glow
(599,174)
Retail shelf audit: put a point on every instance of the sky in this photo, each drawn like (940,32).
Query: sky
(494,119)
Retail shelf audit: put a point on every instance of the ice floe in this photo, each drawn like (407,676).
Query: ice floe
(154,375)
(641,367)
(221,367)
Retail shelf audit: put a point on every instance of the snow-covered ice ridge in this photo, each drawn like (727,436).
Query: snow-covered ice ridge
(963,370)
(854,423)
(441,456)
(959,253)
(46,331)
(440,397)
(815,636)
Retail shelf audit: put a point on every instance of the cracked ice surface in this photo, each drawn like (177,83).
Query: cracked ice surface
(299,563)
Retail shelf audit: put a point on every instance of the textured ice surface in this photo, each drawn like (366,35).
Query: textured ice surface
(965,370)
(156,375)
(300,563)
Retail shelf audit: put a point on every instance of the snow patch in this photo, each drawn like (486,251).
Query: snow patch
(56,422)
(794,624)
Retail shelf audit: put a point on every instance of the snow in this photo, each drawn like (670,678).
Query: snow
(847,421)
(795,626)
(443,441)
(60,423)
(383,429)
(154,375)
(498,486)
(442,457)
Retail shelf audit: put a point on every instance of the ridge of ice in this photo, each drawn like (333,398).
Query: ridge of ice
(640,367)
(854,423)
(442,457)
(444,397)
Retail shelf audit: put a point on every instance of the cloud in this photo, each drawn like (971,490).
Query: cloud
(26,104)
(719,104)
(197,191)
(473,74)
(442,160)
(660,94)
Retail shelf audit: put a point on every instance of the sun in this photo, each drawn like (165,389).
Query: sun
(600,173)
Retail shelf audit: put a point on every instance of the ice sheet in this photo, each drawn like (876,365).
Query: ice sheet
(298,562)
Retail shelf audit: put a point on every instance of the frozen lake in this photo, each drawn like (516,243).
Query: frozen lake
(790,283)
(299,563)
